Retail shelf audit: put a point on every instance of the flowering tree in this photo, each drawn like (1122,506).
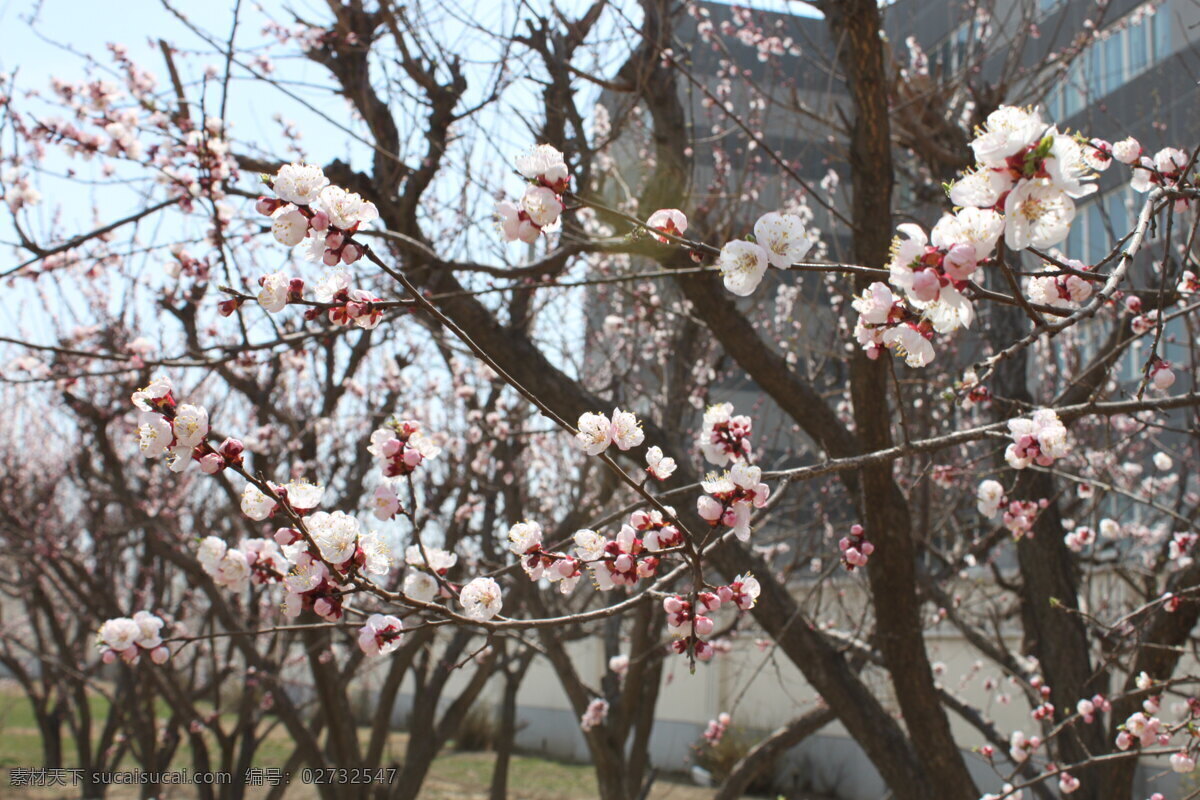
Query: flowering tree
(335,343)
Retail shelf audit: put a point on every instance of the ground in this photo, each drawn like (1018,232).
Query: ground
(454,776)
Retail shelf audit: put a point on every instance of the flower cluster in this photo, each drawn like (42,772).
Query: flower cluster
(1059,289)
(780,241)
(856,550)
(1029,171)
(525,542)
(301,496)
(401,447)
(1142,728)
(730,498)
(1023,186)
(596,713)
(542,203)
(307,207)
(130,637)
(343,304)
(692,626)
(716,729)
(621,561)
(179,431)
(1020,516)
(597,432)
(1040,440)
(724,437)
(256,560)
(1166,169)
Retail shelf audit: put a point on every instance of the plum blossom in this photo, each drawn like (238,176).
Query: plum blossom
(289,226)
(420,586)
(990,495)
(299,183)
(783,238)
(515,224)
(154,397)
(385,501)
(546,165)
(742,265)
(668,220)
(1007,131)
(346,210)
(1127,151)
(481,599)
(542,206)
(1038,214)
(743,591)
(595,432)
(1182,762)
(725,437)
(335,534)
(273,296)
(382,634)
(909,343)
(659,466)
(256,505)
(524,537)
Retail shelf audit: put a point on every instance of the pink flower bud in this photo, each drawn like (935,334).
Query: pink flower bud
(319,221)
(725,593)
(286,536)
(211,464)
(1163,378)
(960,261)
(108,657)
(623,563)
(159,655)
(351,253)
(704,626)
(926,285)
(330,258)
(704,651)
(267,205)
(708,508)
(672,605)
(322,607)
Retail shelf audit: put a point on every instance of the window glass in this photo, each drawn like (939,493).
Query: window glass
(1138,56)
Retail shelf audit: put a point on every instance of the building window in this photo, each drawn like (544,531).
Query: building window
(1108,64)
